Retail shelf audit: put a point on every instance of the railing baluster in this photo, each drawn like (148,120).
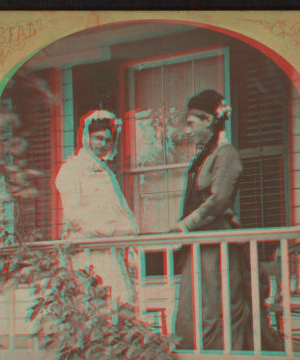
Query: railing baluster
(197,297)
(114,267)
(86,259)
(225,298)
(139,281)
(255,297)
(287,323)
(35,344)
(11,320)
(169,272)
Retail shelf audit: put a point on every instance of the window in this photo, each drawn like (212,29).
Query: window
(156,152)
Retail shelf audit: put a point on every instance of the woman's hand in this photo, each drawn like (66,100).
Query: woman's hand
(173,230)
(122,233)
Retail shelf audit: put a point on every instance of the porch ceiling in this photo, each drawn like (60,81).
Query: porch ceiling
(95,43)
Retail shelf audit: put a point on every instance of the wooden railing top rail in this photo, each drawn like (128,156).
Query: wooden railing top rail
(201,237)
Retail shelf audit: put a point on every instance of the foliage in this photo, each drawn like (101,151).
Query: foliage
(72,309)
(12,149)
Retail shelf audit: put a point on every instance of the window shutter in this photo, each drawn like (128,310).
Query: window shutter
(262,192)
(262,115)
(30,99)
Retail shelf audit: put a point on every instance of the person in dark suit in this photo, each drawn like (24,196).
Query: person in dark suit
(212,180)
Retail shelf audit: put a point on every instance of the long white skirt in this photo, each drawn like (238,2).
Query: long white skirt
(110,266)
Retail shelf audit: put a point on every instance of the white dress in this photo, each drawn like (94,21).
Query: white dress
(94,206)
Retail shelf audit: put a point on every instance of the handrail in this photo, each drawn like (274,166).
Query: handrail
(199,237)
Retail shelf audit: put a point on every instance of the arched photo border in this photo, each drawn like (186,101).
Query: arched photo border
(25,33)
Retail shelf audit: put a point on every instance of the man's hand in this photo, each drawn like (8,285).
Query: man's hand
(180,228)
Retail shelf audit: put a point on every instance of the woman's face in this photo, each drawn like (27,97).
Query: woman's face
(197,127)
(101,142)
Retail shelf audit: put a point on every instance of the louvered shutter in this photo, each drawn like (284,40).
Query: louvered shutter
(32,106)
(262,109)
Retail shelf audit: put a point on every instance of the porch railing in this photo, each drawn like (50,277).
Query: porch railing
(168,242)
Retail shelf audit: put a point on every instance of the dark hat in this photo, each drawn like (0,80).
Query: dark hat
(206,100)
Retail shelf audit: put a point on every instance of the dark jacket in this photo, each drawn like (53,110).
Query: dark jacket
(211,190)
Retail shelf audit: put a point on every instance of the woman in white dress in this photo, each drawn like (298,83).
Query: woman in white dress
(93,203)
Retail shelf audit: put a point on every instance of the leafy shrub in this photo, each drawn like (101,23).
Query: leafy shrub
(73,312)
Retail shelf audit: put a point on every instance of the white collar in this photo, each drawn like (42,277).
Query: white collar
(91,162)
(222,139)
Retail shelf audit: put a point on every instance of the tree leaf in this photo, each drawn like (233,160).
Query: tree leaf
(91,270)
(49,345)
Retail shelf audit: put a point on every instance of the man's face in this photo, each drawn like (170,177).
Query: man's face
(101,142)
(197,127)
